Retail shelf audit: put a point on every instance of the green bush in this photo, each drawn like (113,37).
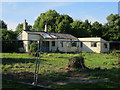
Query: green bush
(33,49)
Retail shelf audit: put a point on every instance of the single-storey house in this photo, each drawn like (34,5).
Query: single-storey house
(51,42)
(59,42)
(94,44)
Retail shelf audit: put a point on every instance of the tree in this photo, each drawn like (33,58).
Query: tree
(55,22)
(3,25)
(97,29)
(63,24)
(8,34)
(48,17)
(80,29)
(33,49)
(112,30)
(88,27)
(9,46)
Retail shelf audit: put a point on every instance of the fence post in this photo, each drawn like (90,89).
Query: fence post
(37,64)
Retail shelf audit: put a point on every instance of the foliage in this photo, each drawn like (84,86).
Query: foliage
(97,29)
(79,27)
(65,24)
(49,17)
(8,34)
(3,25)
(55,22)
(33,49)
(10,46)
(112,30)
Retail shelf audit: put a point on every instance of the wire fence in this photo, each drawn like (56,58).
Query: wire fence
(18,64)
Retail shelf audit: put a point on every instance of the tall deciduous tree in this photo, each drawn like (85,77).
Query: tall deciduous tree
(55,22)
(63,24)
(3,25)
(81,29)
(9,46)
(48,17)
(97,29)
(113,27)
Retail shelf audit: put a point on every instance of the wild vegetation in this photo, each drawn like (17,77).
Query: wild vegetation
(65,24)
(21,66)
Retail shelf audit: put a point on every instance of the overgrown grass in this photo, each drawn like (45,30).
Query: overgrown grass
(22,66)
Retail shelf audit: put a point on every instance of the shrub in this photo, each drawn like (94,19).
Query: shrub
(10,46)
(76,62)
(33,49)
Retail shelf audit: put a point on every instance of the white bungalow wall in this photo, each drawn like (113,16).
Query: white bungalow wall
(25,43)
(65,48)
(103,49)
(100,46)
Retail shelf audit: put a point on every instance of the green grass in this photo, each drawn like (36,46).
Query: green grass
(82,86)
(21,66)
(13,85)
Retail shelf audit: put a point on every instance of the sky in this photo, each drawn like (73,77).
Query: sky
(14,13)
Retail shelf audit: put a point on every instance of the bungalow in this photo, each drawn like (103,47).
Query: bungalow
(51,42)
(94,44)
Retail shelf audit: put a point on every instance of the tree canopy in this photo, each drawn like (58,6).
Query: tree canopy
(55,22)
(65,24)
(3,25)
(112,28)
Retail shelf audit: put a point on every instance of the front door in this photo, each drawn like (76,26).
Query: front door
(45,46)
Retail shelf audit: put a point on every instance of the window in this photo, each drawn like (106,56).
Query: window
(81,45)
(74,44)
(53,43)
(93,44)
(61,44)
(105,45)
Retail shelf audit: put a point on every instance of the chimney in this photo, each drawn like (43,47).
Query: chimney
(25,25)
(46,29)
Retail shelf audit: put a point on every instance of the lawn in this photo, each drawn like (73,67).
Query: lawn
(21,67)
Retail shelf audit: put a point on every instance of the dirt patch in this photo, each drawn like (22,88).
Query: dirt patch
(79,77)
(19,75)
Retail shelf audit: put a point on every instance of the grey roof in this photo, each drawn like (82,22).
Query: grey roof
(52,35)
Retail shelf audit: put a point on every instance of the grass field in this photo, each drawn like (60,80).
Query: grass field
(21,66)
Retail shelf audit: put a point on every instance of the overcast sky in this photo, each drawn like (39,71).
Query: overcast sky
(14,13)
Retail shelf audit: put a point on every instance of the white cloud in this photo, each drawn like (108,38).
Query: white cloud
(11,25)
(92,19)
